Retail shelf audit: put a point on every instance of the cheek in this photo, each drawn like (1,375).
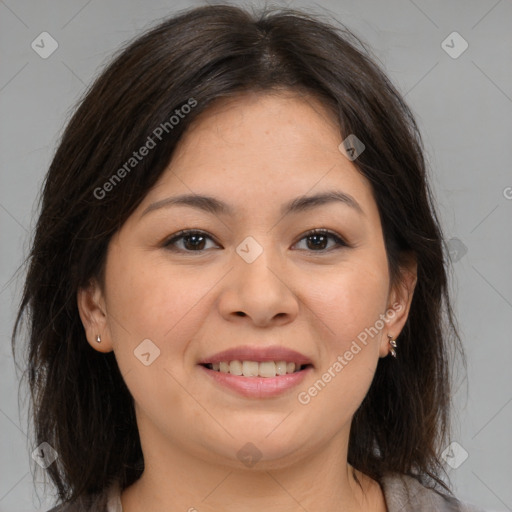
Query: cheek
(350,300)
(153,301)
(350,304)
(150,297)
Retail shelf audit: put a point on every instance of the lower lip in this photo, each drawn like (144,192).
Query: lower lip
(258,387)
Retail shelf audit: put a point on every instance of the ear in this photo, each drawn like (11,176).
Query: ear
(399,302)
(92,310)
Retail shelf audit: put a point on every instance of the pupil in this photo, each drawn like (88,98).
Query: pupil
(194,242)
(319,241)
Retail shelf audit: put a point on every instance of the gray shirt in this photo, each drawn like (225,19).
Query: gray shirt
(402,494)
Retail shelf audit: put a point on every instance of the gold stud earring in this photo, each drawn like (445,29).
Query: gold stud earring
(392,342)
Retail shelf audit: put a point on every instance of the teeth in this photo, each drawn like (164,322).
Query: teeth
(235,368)
(250,368)
(267,369)
(281,367)
(256,369)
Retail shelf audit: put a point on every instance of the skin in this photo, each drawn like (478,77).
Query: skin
(255,152)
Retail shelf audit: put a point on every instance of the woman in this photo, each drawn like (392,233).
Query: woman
(237,287)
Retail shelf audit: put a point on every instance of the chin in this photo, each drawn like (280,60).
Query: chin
(277,451)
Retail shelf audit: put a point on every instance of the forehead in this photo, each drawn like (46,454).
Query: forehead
(263,125)
(261,149)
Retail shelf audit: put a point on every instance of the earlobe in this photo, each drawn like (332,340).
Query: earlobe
(400,300)
(92,311)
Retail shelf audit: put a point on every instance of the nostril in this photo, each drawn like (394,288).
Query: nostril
(240,313)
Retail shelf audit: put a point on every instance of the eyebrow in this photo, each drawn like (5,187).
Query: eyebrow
(215,206)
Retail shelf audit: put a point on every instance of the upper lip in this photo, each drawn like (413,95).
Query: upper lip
(248,353)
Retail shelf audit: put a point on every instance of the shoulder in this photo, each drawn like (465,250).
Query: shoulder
(404,493)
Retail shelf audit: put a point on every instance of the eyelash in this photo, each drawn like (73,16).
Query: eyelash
(169,244)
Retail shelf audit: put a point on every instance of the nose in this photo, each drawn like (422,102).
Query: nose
(259,293)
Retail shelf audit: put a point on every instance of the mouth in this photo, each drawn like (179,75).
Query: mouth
(265,369)
(260,372)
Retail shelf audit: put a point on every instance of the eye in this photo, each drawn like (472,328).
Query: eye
(318,240)
(189,240)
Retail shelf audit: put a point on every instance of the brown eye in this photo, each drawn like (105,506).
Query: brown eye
(194,242)
(189,241)
(319,240)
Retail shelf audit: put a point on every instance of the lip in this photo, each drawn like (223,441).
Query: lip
(257,387)
(260,354)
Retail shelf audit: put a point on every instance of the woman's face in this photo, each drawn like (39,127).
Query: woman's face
(253,176)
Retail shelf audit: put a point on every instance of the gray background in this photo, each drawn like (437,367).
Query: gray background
(463,106)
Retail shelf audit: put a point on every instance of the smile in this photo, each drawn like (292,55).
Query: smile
(255,371)
(266,369)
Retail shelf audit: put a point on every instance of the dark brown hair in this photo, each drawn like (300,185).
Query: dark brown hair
(80,404)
